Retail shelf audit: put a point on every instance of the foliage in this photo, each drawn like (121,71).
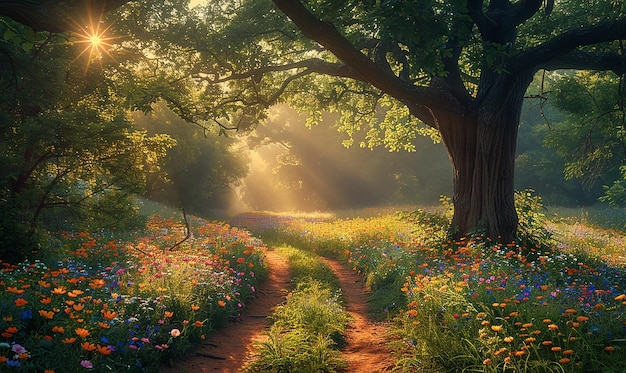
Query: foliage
(122,303)
(591,139)
(66,143)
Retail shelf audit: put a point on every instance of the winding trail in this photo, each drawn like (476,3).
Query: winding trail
(230,348)
(367,350)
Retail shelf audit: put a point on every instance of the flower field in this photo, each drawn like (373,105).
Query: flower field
(116,303)
(474,305)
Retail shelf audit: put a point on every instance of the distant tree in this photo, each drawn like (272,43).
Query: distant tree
(201,168)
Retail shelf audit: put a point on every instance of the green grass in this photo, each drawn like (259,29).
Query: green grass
(308,329)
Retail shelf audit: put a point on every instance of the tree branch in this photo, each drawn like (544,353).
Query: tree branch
(580,60)
(555,50)
(365,69)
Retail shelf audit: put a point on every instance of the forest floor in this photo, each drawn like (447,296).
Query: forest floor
(230,348)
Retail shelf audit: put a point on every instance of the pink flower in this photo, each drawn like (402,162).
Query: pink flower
(175,333)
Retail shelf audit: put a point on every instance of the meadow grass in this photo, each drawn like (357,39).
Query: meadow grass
(476,306)
(308,329)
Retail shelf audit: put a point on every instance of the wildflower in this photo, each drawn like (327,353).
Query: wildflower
(508,339)
(610,348)
(86,364)
(81,332)
(582,318)
(15,290)
(553,327)
(199,324)
(412,313)
(46,314)
(486,361)
(507,359)
(497,328)
(169,313)
(88,346)
(571,311)
(19,302)
(194,307)
(48,371)
(58,329)
(103,325)
(18,349)
(59,290)
(547,343)
(78,307)
(109,315)
(11,330)
(568,352)
(555,349)
(221,303)
(175,333)
(620,297)
(564,360)
(104,350)
(519,353)
(68,341)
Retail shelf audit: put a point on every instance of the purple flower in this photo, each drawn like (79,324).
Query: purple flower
(18,349)
(86,364)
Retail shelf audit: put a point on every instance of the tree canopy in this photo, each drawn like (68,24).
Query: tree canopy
(455,70)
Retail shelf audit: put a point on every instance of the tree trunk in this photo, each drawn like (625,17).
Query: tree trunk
(481,146)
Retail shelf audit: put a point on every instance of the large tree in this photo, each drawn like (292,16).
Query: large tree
(460,67)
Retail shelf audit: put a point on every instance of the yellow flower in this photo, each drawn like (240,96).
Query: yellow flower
(508,339)
(497,328)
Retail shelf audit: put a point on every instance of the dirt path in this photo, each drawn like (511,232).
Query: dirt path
(227,350)
(366,351)
(230,348)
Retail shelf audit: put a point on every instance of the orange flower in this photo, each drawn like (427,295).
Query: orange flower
(620,297)
(169,313)
(58,329)
(21,302)
(82,332)
(571,311)
(568,352)
(486,361)
(109,315)
(48,371)
(103,350)
(43,284)
(564,360)
(530,340)
(46,314)
(88,346)
(59,290)
(194,307)
(97,284)
(221,303)
(547,343)
(497,328)
(555,349)
(508,339)
(609,348)
(69,340)
(11,329)
(46,300)
(78,307)
(3,359)
(6,335)
(519,353)
(553,327)
(199,324)
(15,290)
(582,318)
(412,313)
